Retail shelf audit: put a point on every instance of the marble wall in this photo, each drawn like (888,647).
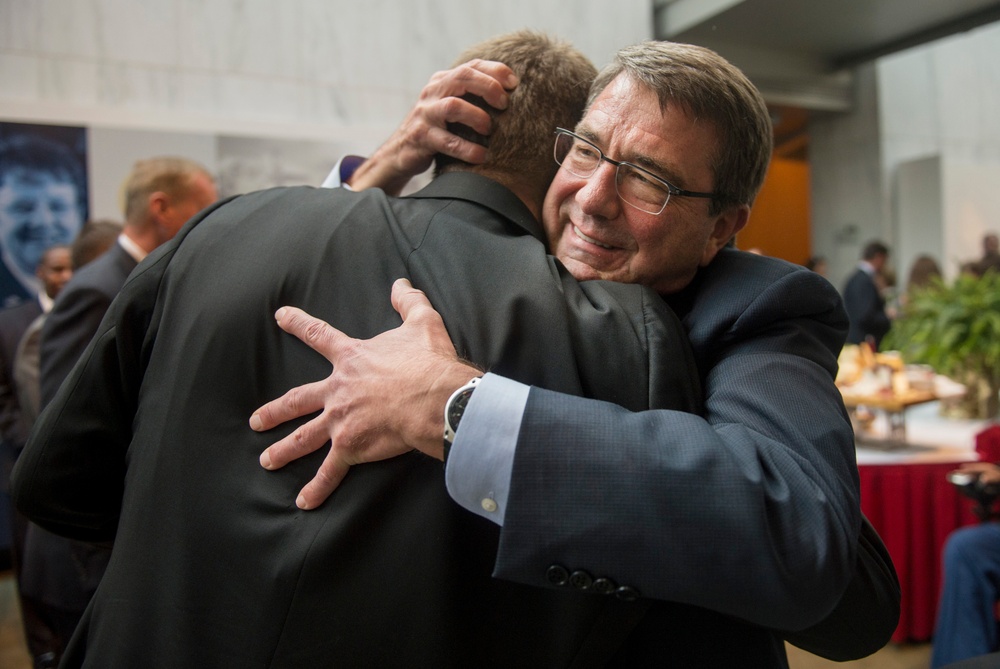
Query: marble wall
(295,68)
(943,101)
(848,207)
(936,102)
(149,77)
(344,73)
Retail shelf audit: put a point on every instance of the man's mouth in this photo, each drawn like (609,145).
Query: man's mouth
(590,240)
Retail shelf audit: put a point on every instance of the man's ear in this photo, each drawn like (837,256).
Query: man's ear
(158,204)
(727,224)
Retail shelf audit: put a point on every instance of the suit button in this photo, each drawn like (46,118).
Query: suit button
(580,580)
(604,586)
(627,594)
(557,575)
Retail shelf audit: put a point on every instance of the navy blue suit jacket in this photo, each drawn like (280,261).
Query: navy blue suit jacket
(748,513)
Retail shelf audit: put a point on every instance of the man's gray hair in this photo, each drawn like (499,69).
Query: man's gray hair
(707,87)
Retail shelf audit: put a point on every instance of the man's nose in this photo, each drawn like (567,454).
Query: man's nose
(599,195)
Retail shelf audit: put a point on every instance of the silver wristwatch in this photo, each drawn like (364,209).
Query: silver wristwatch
(454,408)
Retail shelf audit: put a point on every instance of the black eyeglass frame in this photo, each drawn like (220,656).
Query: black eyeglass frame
(671,189)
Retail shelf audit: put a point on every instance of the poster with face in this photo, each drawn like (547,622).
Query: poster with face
(43,200)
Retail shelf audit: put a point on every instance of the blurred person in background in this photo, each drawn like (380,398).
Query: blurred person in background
(817,264)
(967,609)
(864,297)
(991,256)
(53,272)
(42,640)
(94,239)
(923,273)
(161,194)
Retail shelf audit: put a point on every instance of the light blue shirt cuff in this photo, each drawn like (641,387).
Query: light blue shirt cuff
(481,460)
(342,172)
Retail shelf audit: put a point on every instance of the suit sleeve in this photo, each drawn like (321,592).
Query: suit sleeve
(68,330)
(866,615)
(10,415)
(752,511)
(70,477)
(26,371)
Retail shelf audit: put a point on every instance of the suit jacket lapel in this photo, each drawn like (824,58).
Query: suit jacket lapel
(485,192)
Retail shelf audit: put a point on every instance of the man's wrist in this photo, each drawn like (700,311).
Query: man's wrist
(451,378)
(454,409)
(378,171)
(480,464)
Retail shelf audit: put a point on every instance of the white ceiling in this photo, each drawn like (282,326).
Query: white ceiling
(800,52)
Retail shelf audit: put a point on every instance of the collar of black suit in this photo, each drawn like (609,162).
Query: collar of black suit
(485,192)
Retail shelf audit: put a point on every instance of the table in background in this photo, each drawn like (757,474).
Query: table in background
(913,507)
(893,408)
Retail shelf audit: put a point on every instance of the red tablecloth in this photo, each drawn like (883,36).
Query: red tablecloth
(914,509)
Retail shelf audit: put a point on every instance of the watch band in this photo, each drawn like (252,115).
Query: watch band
(454,409)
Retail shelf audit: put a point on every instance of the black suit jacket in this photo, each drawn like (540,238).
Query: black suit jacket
(77,314)
(865,309)
(147,442)
(13,430)
(60,572)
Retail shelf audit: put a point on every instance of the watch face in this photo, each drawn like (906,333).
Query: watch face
(457,408)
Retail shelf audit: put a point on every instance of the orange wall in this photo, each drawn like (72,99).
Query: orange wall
(779,221)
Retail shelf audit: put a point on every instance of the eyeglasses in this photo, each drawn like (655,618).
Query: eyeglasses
(636,186)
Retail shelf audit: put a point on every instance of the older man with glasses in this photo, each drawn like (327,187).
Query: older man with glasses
(636,186)
(750,513)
